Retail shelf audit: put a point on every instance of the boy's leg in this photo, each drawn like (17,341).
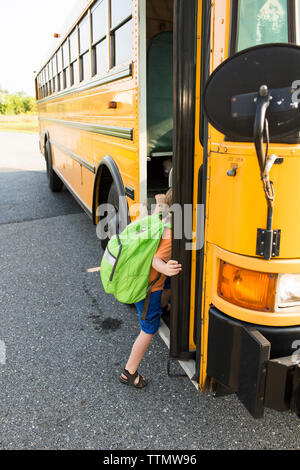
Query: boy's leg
(138,351)
(149,327)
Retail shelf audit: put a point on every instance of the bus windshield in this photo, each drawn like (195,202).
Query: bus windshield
(261,22)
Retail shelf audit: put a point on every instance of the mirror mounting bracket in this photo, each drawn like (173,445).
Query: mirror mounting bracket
(268,240)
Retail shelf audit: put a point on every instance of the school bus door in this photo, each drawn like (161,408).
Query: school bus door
(188,170)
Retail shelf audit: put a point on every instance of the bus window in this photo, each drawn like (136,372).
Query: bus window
(84,41)
(59,69)
(65,52)
(99,38)
(66,71)
(74,73)
(119,11)
(74,57)
(260,22)
(121,32)
(84,35)
(99,20)
(123,43)
(85,66)
(101,58)
(73,46)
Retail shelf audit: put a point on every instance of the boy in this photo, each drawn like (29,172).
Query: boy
(163,265)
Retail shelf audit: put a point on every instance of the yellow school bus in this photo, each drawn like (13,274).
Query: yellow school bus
(124,93)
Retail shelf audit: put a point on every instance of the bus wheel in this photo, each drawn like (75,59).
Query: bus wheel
(55,184)
(112,225)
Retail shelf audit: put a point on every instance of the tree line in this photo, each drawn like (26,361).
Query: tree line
(17,103)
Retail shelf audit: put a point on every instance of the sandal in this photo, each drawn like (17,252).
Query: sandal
(131,378)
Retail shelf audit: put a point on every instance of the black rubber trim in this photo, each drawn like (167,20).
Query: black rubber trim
(109,163)
(185,23)
(281,338)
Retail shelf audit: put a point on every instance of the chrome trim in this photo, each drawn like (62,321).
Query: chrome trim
(75,157)
(123,72)
(121,132)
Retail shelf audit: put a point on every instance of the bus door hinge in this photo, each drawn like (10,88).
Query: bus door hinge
(268,243)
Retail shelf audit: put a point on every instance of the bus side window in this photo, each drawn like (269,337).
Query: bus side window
(66,71)
(74,57)
(121,31)
(99,38)
(84,41)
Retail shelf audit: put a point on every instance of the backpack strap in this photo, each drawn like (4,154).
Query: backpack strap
(116,259)
(166,221)
(147,299)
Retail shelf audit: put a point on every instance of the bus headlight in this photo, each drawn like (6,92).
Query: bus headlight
(288,290)
(249,289)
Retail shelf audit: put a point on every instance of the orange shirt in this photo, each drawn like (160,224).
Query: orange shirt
(164,252)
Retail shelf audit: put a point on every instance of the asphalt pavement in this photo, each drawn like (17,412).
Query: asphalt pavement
(63,341)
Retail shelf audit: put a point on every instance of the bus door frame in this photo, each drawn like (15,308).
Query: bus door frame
(185,35)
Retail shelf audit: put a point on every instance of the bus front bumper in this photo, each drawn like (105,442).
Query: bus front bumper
(260,364)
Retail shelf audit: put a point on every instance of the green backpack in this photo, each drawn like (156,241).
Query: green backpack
(127,260)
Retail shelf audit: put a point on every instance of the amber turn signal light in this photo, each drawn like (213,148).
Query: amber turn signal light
(249,289)
(112,105)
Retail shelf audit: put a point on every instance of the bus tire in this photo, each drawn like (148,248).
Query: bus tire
(112,199)
(55,184)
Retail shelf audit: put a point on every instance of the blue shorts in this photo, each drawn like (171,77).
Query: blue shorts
(152,322)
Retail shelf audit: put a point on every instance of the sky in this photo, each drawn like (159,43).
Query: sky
(26,37)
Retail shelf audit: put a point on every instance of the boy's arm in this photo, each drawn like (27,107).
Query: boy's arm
(171,268)
(161,205)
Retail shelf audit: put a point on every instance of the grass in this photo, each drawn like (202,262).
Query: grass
(19,123)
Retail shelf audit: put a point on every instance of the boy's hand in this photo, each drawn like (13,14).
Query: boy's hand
(172,268)
(160,198)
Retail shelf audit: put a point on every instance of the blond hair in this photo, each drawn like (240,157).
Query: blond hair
(169,197)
